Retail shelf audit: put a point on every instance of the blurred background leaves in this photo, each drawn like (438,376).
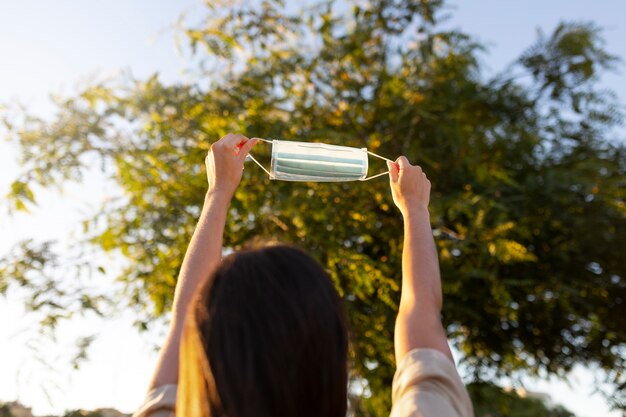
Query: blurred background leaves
(527,167)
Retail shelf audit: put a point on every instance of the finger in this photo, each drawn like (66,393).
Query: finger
(393,171)
(402,162)
(244,148)
(238,141)
(231,141)
(403,165)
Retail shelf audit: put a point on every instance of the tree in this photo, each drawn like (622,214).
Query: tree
(527,170)
(5,410)
(492,401)
(82,413)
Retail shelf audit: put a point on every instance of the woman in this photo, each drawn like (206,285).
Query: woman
(263,333)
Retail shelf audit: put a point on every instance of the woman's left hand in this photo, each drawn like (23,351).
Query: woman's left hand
(224,163)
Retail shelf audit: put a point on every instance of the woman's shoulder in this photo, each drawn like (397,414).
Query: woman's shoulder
(426,384)
(159,402)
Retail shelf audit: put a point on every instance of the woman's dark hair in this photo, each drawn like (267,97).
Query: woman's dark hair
(274,333)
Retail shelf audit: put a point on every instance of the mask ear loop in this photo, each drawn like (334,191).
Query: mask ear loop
(382,173)
(257,162)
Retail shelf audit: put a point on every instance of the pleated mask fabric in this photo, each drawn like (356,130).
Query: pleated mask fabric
(317,162)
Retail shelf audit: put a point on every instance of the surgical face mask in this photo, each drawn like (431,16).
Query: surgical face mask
(317,162)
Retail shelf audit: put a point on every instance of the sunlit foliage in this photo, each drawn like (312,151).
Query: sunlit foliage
(528,176)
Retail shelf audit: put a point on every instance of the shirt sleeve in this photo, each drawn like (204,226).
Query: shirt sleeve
(427,384)
(159,402)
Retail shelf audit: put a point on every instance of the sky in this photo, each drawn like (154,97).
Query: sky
(53,47)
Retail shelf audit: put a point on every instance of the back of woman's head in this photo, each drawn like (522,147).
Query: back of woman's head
(266,338)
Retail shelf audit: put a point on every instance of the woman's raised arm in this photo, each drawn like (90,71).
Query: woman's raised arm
(418,324)
(224,165)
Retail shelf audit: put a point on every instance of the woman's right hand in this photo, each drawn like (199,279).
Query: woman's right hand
(224,163)
(410,187)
